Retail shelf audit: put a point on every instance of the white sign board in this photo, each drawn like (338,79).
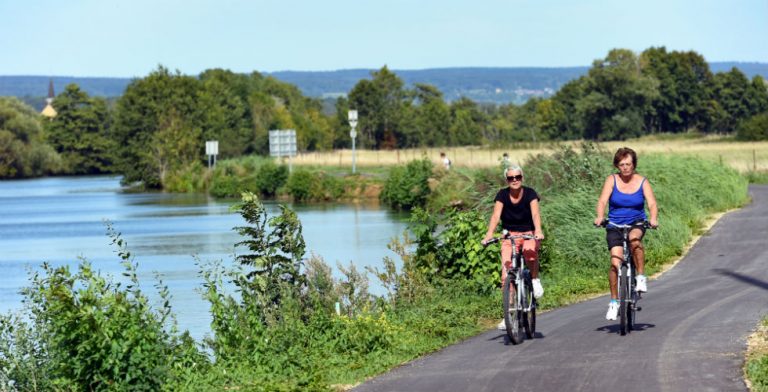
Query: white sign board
(212,147)
(282,143)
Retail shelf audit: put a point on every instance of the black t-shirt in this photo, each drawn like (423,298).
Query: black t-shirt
(517,216)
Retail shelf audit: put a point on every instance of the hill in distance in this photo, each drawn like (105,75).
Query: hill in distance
(485,85)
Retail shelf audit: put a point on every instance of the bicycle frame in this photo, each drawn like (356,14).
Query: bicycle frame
(628,297)
(517,269)
(518,278)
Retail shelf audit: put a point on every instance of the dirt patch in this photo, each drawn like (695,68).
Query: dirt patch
(372,191)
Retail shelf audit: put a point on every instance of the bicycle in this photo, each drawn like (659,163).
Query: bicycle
(628,297)
(518,302)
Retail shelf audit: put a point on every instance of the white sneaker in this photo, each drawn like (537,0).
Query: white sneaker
(538,291)
(640,283)
(502,326)
(613,310)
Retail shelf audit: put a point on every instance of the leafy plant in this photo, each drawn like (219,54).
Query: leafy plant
(89,333)
(407,186)
(275,257)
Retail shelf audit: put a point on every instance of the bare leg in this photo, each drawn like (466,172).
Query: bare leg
(638,252)
(617,254)
(531,256)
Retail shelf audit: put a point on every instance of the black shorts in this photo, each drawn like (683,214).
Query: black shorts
(614,238)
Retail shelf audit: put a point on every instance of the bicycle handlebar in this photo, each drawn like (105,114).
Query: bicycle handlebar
(606,223)
(506,236)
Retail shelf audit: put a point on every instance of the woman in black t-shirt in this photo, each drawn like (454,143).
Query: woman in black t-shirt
(518,209)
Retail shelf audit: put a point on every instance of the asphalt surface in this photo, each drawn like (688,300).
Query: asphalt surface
(692,330)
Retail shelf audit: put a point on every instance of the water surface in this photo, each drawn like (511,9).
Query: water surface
(61,220)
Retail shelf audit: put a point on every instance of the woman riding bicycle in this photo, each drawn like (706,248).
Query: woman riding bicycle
(517,207)
(626,194)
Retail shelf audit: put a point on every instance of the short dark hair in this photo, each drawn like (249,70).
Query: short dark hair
(622,153)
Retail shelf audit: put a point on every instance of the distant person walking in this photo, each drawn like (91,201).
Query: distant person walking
(446,161)
(505,161)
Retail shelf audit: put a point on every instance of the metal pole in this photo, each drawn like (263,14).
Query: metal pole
(353,153)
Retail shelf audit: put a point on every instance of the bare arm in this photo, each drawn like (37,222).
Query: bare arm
(538,233)
(497,207)
(650,198)
(603,199)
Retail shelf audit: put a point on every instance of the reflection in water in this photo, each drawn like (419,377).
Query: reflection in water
(60,219)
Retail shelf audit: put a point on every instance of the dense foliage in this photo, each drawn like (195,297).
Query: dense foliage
(23,150)
(79,132)
(162,121)
(755,128)
(407,185)
(85,332)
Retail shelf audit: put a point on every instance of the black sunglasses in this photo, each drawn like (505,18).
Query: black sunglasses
(518,177)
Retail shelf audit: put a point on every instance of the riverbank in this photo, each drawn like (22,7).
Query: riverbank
(446,290)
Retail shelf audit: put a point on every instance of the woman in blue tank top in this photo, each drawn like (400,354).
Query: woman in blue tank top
(626,194)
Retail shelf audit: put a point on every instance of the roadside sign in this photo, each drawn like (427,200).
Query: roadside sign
(282,143)
(212,147)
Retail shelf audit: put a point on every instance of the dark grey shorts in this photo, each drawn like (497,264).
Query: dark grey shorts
(613,236)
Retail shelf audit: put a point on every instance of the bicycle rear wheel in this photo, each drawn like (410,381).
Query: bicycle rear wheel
(623,300)
(511,313)
(529,307)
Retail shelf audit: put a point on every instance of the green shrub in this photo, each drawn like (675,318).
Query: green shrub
(757,176)
(304,185)
(270,178)
(189,179)
(93,334)
(407,186)
(754,128)
(262,175)
(456,252)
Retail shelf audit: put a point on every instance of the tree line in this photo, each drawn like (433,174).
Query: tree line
(158,126)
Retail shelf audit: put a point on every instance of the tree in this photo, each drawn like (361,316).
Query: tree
(432,117)
(730,106)
(147,105)
(23,151)
(225,113)
(380,103)
(755,128)
(79,132)
(467,123)
(684,78)
(617,97)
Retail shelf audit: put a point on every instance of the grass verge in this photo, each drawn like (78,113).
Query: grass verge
(756,366)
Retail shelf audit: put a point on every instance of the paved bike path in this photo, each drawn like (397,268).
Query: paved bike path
(692,330)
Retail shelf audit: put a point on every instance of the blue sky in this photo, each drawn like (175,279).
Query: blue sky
(128,38)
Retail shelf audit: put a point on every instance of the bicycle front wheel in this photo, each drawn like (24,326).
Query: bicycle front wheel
(529,307)
(511,313)
(624,301)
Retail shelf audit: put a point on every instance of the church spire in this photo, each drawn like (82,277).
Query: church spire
(48,110)
(51,95)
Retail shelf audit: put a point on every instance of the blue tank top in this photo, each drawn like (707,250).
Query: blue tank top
(626,208)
